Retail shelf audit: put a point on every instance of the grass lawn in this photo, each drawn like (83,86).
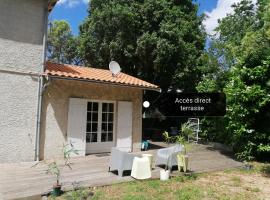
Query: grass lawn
(229,184)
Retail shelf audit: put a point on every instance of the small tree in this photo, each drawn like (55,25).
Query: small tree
(62,45)
(54,170)
(185,132)
(168,140)
(54,167)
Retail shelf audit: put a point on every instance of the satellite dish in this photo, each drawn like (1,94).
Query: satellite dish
(114,68)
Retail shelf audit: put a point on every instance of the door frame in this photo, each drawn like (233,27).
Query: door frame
(91,148)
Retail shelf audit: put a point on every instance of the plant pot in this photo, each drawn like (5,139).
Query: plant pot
(56,190)
(184,151)
(164,174)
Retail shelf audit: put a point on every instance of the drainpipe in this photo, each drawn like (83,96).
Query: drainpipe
(40,88)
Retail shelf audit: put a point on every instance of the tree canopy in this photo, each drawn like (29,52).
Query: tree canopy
(158,40)
(62,46)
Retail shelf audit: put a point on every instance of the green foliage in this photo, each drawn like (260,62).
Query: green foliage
(68,150)
(182,137)
(184,134)
(78,194)
(189,192)
(166,136)
(242,51)
(248,97)
(61,44)
(54,170)
(263,148)
(157,40)
(186,130)
(213,129)
(234,27)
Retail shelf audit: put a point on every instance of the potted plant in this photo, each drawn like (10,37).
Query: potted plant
(181,139)
(184,133)
(165,173)
(54,168)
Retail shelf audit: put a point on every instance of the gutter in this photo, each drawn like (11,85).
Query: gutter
(102,82)
(40,88)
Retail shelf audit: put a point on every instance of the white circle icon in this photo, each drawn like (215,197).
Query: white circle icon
(146,104)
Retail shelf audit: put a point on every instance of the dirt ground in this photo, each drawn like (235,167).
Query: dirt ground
(254,184)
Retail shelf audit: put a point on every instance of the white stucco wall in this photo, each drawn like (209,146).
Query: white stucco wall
(21,34)
(55,111)
(18,108)
(21,50)
(20,57)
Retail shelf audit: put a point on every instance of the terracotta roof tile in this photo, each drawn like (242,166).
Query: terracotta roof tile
(94,74)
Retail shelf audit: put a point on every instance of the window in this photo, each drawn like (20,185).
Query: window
(92,122)
(107,122)
(100,122)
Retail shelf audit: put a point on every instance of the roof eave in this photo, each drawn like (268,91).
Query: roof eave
(104,82)
(51,4)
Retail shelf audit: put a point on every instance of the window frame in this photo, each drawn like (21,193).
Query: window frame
(99,122)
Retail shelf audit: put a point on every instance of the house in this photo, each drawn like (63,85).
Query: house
(92,109)
(44,105)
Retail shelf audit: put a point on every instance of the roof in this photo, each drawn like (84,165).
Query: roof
(51,4)
(95,75)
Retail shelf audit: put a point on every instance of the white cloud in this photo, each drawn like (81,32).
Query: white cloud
(223,8)
(71,3)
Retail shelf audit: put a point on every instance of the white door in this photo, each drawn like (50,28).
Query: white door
(76,124)
(100,126)
(124,125)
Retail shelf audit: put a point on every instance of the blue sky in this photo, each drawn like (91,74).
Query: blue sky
(206,5)
(75,11)
(74,14)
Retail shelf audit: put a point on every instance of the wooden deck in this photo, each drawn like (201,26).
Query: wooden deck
(25,180)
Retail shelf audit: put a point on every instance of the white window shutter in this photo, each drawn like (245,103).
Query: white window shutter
(76,131)
(124,126)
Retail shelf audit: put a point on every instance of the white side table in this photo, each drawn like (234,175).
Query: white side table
(141,168)
(150,158)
